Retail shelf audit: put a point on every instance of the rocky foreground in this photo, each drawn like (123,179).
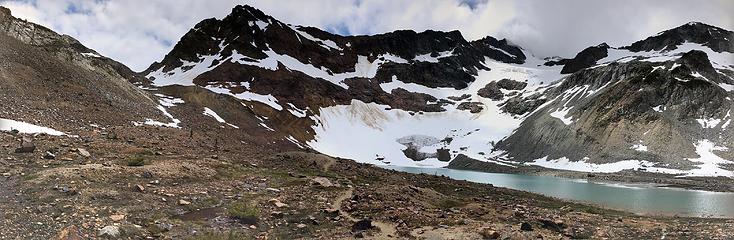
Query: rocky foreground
(160,183)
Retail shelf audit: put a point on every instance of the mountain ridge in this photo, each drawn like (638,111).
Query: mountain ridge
(443,76)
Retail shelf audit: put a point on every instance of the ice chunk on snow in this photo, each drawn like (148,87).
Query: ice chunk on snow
(22,127)
(418,140)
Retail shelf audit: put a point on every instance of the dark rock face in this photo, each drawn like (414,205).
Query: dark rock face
(491,91)
(473,107)
(519,106)
(511,84)
(585,58)
(612,104)
(719,40)
(430,58)
(500,50)
(443,154)
(73,84)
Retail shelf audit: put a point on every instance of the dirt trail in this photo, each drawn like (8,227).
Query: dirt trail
(338,204)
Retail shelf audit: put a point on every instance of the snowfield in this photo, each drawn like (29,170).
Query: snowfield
(382,134)
(22,127)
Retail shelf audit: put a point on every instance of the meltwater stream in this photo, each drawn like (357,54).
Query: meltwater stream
(640,199)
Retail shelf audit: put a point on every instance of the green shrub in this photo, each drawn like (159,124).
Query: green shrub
(243,211)
(137,160)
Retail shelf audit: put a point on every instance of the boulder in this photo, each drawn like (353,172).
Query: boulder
(26,146)
(109,231)
(83,152)
(491,91)
(322,181)
(511,84)
(362,225)
(473,107)
(488,233)
(526,226)
(69,233)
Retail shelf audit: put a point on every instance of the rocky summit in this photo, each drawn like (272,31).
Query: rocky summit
(253,128)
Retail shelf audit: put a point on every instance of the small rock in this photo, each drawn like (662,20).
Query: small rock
(331,211)
(139,188)
(183,202)
(109,231)
(69,233)
(553,225)
(277,203)
(322,181)
(272,189)
(277,214)
(362,225)
(488,233)
(117,217)
(526,226)
(301,225)
(83,152)
(49,155)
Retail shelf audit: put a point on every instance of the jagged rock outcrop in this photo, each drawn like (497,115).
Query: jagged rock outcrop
(585,58)
(55,80)
(718,39)
(353,66)
(598,115)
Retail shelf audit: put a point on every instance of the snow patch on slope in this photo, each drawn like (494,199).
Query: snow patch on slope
(22,127)
(710,163)
(173,124)
(209,112)
(249,96)
(377,130)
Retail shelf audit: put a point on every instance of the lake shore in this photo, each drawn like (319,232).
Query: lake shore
(713,184)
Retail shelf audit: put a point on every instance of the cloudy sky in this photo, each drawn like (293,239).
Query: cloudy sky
(139,32)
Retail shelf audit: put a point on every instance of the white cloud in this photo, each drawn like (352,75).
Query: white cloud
(139,32)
